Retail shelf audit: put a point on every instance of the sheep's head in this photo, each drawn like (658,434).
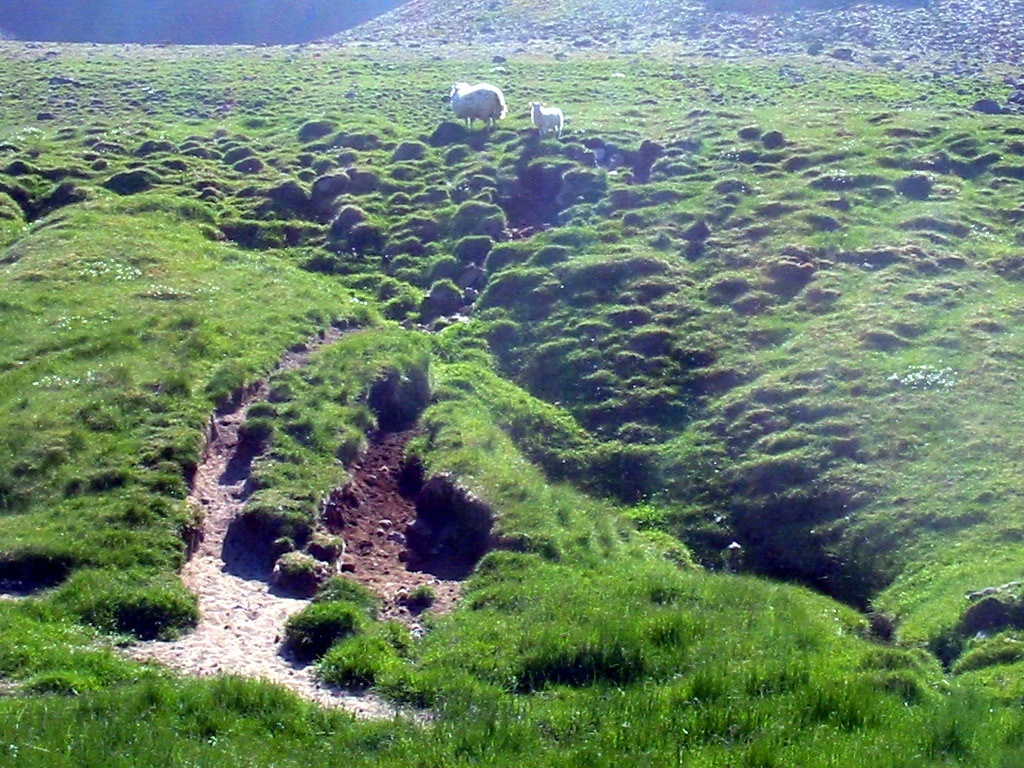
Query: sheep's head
(455,89)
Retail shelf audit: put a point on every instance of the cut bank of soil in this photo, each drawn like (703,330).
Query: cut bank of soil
(371,513)
(242,618)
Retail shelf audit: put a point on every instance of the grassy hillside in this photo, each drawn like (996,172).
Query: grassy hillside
(764,302)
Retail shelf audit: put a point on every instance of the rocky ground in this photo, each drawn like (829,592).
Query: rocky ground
(949,36)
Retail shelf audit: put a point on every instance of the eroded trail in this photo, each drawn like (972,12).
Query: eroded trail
(241,620)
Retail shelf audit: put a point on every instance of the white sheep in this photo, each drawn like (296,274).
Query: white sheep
(482,101)
(547,119)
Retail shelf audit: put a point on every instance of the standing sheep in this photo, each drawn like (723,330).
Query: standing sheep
(482,101)
(547,119)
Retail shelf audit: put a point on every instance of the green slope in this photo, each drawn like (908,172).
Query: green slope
(738,302)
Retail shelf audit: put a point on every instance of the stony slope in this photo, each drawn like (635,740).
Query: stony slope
(951,34)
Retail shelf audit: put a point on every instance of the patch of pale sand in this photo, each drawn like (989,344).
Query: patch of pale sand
(240,633)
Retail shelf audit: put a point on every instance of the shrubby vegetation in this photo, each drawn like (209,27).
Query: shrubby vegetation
(771,310)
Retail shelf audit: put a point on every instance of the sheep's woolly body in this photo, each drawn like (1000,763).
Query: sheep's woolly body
(482,101)
(547,119)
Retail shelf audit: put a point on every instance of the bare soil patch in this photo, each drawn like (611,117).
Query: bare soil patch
(373,513)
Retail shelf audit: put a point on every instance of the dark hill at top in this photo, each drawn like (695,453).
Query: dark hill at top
(186,22)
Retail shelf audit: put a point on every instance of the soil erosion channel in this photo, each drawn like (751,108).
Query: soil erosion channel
(241,616)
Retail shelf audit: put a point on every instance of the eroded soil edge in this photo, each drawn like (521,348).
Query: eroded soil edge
(242,619)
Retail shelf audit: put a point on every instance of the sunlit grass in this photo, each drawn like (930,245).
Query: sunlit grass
(854,430)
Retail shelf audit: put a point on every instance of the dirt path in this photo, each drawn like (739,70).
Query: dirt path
(241,620)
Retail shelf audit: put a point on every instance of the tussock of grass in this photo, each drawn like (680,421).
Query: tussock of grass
(310,633)
(129,327)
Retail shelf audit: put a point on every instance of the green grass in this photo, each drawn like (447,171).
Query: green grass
(803,341)
(127,327)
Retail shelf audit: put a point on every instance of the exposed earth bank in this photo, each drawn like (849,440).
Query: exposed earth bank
(242,616)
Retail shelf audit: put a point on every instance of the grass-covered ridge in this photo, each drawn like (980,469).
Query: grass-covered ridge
(127,326)
(738,302)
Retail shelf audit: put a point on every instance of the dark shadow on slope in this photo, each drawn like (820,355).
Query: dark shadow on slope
(397,398)
(794,539)
(255,539)
(248,549)
(239,466)
(23,573)
(452,530)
